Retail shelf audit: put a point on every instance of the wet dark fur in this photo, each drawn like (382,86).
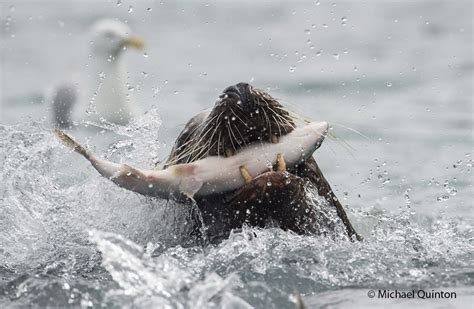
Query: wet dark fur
(241,116)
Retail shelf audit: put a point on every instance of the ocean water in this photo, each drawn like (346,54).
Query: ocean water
(394,78)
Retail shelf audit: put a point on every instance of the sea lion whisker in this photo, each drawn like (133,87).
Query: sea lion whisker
(283,119)
(238,131)
(237,116)
(331,148)
(352,130)
(278,125)
(233,134)
(198,146)
(268,120)
(219,143)
(230,137)
(339,142)
(183,150)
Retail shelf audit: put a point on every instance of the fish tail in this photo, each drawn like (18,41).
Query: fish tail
(69,142)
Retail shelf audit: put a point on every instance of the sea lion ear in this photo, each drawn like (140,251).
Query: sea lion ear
(190,185)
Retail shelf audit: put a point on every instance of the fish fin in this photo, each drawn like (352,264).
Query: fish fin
(190,185)
(69,142)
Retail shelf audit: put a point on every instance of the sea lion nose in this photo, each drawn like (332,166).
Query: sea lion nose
(241,92)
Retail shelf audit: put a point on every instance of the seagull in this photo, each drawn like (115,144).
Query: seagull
(98,93)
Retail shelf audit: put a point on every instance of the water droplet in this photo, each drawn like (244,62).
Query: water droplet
(336,56)
(442,198)
(307,31)
(233,118)
(325,26)
(150,185)
(319,52)
(269,184)
(356,69)
(119,2)
(131,88)
(292,69)
(388,84)
(145,55)
(66,286)
(344,21)
(145,74)
(102,75)
(248,211)
(149,9)
(458,163)
(176,92)
(130,9)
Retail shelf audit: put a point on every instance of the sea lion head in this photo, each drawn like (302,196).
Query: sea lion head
(242,115)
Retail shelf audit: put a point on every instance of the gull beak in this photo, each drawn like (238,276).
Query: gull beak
(134,41)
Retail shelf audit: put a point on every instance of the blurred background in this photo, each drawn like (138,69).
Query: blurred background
(394,78)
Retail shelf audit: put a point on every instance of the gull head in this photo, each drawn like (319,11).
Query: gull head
(110,37)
